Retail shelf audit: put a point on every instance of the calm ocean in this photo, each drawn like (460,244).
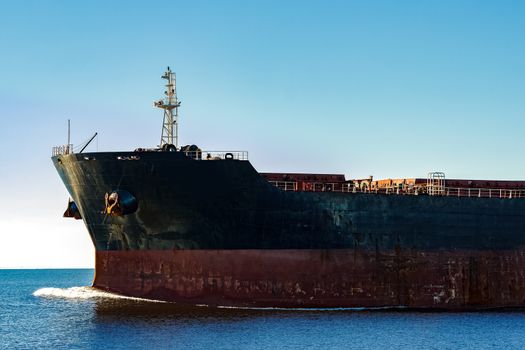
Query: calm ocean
(54,309)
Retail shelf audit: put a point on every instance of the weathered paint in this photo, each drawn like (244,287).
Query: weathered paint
(189,204)
(318,278)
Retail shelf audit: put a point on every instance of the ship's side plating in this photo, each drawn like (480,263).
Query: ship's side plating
(216,232)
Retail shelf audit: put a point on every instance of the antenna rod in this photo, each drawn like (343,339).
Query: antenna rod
(87,144)
(68,135)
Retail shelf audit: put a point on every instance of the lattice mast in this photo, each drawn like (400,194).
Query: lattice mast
(170,104)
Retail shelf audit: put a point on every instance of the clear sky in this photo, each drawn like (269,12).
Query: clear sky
(383,88)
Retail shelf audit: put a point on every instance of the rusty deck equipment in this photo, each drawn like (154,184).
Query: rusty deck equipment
(204,227)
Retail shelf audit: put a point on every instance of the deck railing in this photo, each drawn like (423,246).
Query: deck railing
(484,192)
(350,188)
(63,149)
(217,155)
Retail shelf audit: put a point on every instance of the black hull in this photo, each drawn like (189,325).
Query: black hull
(190,204)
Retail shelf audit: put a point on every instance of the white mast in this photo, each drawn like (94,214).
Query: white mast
(170,105)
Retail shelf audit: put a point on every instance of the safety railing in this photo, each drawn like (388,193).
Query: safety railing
(485,192)
(64,149)
(312,186)
(286,185)
(217,155)
(348,187)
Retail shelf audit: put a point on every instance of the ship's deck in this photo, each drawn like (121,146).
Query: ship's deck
(408,186)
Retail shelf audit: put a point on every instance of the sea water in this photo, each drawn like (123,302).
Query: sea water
(57,309)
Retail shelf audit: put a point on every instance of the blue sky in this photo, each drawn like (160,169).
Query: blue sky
(383,88)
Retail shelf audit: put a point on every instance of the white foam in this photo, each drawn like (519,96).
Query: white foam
(86,293)
(82,293)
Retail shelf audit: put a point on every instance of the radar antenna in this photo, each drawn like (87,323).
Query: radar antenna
(170,104)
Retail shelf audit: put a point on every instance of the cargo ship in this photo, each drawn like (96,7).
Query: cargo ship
(181,224)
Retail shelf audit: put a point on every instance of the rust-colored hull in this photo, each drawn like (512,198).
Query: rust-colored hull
(453,279)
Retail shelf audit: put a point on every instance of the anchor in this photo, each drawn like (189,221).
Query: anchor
(119,203)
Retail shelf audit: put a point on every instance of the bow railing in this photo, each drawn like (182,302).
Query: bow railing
(63,149)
